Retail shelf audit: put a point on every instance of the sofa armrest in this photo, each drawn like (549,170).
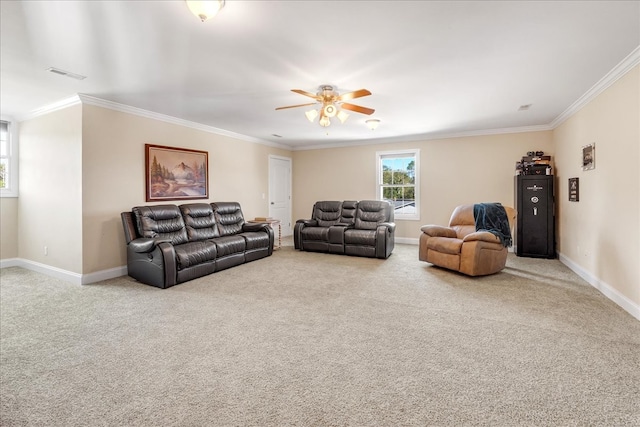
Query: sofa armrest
(146,244)
(385,239)
(483,236)
(308,222)
(256,226)
(438,231)
(391,226)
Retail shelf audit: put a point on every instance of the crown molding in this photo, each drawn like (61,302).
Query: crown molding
(611,77)
(426,137)
(50,108)
(91,100)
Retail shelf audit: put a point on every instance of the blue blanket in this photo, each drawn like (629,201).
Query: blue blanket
(492,217)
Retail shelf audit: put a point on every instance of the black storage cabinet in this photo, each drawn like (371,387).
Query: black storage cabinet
(535,221)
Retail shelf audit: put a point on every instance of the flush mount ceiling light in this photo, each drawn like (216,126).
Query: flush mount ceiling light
(331,104)
(205,9)
(372,123)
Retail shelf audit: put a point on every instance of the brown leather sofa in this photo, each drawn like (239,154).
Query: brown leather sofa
(169,244)
(363,228)
(461,248)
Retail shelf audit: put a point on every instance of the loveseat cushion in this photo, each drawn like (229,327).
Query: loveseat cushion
(194,253)
(360,237)
(348,213)
(370,213)
(315,233)
(161,221)
(327,213)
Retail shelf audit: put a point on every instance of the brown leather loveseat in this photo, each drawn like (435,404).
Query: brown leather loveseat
(363,228)
(461,247)
(169,244)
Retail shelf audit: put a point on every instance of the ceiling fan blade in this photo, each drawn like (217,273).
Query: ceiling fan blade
(357,108)
(310,95)
(354,94)
(294,106)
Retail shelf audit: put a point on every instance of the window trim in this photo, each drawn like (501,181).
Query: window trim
(12,189)
(400,153)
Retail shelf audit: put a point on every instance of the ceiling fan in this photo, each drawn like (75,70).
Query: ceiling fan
(331,103)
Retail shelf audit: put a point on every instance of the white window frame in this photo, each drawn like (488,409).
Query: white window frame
(415,153)
(12,182)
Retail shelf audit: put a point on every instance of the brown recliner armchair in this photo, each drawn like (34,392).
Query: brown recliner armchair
(461,248)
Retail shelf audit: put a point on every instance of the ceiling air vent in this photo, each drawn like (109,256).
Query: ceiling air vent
(66,73)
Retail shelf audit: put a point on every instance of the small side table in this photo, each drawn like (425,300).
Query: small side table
(272,223)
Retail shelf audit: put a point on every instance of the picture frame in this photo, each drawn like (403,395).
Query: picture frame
(574,189)
(589,157)
(173,173)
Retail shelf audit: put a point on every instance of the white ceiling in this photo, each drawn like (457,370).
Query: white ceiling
(434,67)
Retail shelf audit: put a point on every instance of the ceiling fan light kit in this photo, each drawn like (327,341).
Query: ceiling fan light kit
(311,115)
(330,110)
(205,9)
(331,101)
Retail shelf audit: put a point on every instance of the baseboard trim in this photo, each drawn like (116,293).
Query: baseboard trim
(407,240)
(9,262)
(67,276)
(101,275)
(606,289)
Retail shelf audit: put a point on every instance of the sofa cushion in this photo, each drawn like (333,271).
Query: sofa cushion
(161,221)
(229,217)
(199,220)
(228,245)
(256,239)
(194,253)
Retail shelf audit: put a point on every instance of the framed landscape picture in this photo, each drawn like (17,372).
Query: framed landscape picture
(175,173)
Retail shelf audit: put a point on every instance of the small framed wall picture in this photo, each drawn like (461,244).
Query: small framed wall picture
(589,157)
(574,189)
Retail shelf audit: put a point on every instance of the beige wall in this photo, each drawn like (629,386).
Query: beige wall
(113,175)
(452,172)
(8,227)
(50,202)
(601,232)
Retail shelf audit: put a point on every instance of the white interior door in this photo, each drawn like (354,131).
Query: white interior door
(280,191)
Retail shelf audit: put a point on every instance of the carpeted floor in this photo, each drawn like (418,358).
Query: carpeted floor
(306,339)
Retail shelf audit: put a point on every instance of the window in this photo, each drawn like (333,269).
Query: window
(398,181)
(8,160)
